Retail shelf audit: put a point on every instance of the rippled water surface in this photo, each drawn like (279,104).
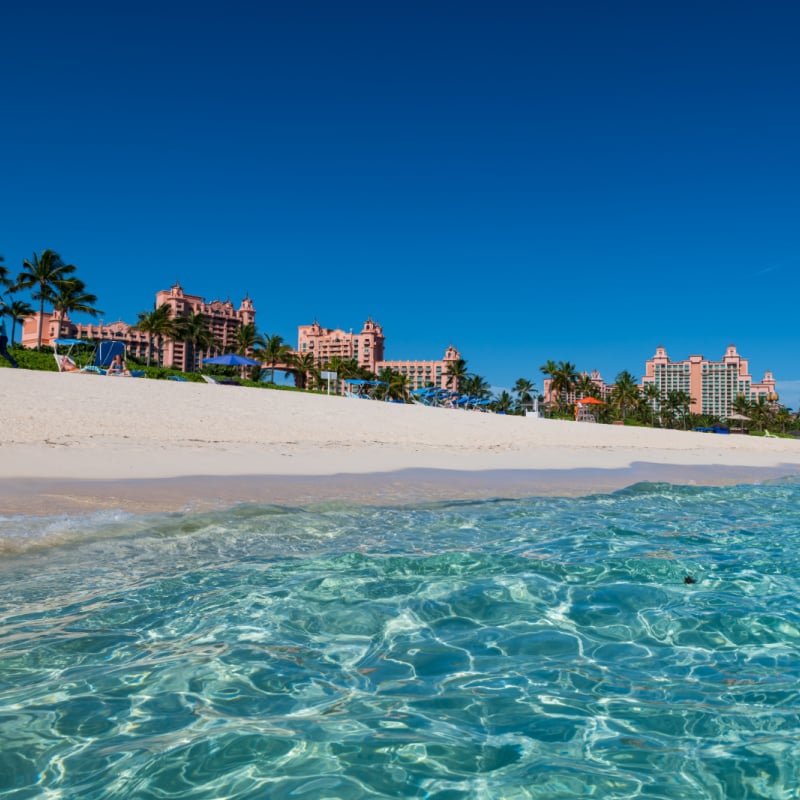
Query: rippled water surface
(545,648)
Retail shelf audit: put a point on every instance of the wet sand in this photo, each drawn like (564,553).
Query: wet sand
(203,492)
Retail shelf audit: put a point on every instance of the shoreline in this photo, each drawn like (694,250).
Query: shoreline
(71,442)
(197,493)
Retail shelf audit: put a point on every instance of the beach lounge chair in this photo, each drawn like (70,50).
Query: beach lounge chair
(103,356)
(769,435)
(67,361)
(178,378)
(209,379)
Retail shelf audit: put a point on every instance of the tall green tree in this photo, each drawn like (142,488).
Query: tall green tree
(549,368)
(586,387)
(652,396)
(741,405)
(194,331)
(625,394)
(71,295)
(395,384)
(6,281)
(783,418)
(17,311)
(272,350)
(42,274)
(761,413)
(524,390)
(158,325)
(456,374)
(303,367)
(503,402)
(676,405)
(563,381)
(477,386)
(246,338)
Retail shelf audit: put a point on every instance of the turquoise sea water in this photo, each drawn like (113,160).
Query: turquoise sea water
(540,648)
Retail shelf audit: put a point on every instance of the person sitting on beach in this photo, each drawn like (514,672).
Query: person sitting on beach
(117,366)
(68,365)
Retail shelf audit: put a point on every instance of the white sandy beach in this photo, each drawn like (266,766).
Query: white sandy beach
(73,430)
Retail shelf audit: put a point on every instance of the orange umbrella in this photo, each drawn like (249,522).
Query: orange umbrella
(591,401)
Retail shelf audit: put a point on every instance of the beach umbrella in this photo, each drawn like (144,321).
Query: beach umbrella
(741,417)
(231,360)
(591,401)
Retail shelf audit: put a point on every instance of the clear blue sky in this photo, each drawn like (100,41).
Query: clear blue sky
(528,180)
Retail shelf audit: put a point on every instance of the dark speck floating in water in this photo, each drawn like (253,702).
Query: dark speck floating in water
(689,579)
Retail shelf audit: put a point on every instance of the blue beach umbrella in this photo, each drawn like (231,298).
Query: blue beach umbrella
(231,360)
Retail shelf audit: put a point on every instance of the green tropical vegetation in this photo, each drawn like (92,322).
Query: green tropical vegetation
(525,390)
(303,366)
(246,339)
(43,275)
(456,373)
(16,311)
(271,349)
(625,394)
(158,325)
(628,403)
(563,380)
(71,295)
(194,331)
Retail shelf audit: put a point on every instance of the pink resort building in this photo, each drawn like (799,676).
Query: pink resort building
(223,318)
(367,349)
(712,385)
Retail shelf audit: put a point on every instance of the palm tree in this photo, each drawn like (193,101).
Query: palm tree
(586,387)
(345,369)
(677,402)
(502,402)
(71,295)
(477,386)
(396,387)
(302,365)
(625,393)
(17,311)
(5,276)
(195,332)
(524,390)
(563,381)
(246,338)
(549,368)
(741,405)
(43,274)
(652,396)
(456,374)
(272,350)
(156,324)
(761,413)
(783,418)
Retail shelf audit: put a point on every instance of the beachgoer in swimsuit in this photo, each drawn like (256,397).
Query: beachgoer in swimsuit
(117,366)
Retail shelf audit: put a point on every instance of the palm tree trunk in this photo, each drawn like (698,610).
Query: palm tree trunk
(41,324)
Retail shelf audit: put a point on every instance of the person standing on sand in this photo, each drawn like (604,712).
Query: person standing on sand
(4,339)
